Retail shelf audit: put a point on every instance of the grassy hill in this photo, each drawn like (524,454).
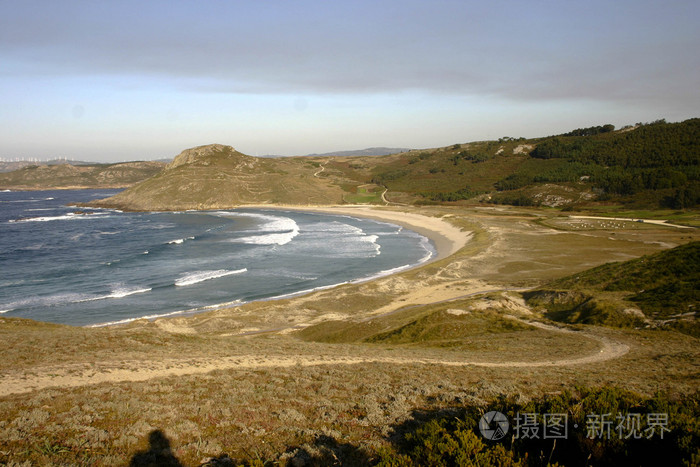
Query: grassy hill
(218,176)
(42,177)
(648,166)
(662,289)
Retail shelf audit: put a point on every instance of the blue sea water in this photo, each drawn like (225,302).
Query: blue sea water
(79,266)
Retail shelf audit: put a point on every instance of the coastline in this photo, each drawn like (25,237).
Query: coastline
(446,238)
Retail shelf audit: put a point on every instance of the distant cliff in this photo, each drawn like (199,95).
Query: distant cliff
(43,177)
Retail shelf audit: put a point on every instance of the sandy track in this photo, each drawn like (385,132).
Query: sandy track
(71,376)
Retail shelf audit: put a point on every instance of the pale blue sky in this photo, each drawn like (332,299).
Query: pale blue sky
(124,80)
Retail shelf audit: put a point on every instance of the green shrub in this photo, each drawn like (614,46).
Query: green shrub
(605,426)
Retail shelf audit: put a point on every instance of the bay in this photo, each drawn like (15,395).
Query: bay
(78,266)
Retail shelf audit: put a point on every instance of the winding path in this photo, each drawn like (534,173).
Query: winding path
(323,167)
(39,378)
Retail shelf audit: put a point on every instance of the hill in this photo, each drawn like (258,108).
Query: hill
(382,151)
(662,289)
(217,176)
(648,166)
(10,166)
(41,177)
(378,151)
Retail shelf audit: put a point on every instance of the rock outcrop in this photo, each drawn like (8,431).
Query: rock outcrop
(202,154)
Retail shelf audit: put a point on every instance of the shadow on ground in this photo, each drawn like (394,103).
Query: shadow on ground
(158,454)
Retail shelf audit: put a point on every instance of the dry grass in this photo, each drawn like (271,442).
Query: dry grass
(376,366)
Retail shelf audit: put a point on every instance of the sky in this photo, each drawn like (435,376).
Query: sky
(120,80)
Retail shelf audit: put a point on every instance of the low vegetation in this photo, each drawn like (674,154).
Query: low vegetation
(46,177)
(661,290)
(605,426)
(218,176)
(395,371)
(599,425)
(646,166)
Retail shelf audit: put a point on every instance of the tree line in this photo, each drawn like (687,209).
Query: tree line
(658,156)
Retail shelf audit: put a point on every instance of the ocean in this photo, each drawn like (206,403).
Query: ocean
(90,267)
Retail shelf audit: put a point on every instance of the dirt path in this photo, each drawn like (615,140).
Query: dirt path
(107,372)
(323,167)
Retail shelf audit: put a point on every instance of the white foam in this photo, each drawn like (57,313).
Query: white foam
(179,241)
(216,306)
(201,276)
(267,239)
(386,272)
(275,230)
(303,292)
(373,240)
(46,301)
(7,191)
(119,292)
(129,320)
(428,247)
(348,241)
(35,247)
(125,292)
(69,216)
(165,315)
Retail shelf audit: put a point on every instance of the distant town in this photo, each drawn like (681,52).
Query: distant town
(36,159)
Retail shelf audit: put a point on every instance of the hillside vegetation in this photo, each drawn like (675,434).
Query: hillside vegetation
(648,166)
(662,289)
(394,371)
(43,177)
(218,176)
(449,437)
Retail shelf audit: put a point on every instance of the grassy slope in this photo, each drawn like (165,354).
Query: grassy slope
(222,177)
(576,172)
(83,176)
(664,286)
(302,412)
(451,325)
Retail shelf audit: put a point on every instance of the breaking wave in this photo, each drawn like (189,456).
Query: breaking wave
(274,230)
(120,292)
(201,276)
(179,241)
(69,216)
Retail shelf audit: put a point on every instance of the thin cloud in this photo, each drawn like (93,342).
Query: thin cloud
(453,47)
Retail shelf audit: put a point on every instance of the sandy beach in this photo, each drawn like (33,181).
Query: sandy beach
(447,238)
(356,357)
